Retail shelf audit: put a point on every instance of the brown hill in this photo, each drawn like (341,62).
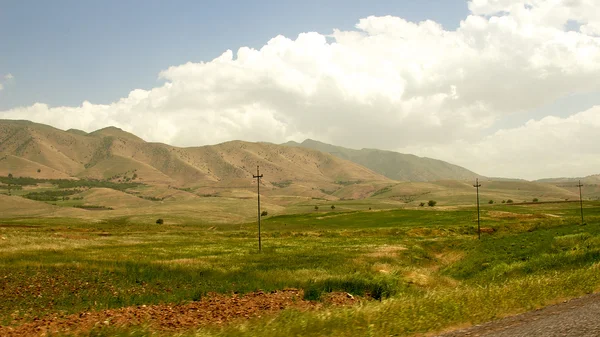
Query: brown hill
(114,154)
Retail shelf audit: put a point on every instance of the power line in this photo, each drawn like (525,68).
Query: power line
(477,185)
(258,176)
(580,201)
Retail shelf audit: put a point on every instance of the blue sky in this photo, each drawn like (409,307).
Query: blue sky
(63,52)
(503,87)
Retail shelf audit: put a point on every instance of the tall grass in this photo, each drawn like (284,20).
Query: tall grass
(424,268)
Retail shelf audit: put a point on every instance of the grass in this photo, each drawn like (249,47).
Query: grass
(424,267)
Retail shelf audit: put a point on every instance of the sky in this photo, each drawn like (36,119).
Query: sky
(506,88)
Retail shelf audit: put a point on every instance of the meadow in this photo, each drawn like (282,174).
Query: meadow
(418,270)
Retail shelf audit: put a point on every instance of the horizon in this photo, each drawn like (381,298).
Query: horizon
(502,88)
(490,178)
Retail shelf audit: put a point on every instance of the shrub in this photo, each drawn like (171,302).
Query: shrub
(160,221)
(535,200)
(316,208)
(264,213)
(431,203)
(422,204)
(509,201)
(503,201)
(332,207)
(491,202)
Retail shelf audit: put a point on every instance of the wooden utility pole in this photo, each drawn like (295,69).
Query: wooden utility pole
(258,176)
(580,201)
(477,185)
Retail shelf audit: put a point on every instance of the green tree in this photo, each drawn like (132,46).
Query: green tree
(491,202)
(431,203)
(332,207)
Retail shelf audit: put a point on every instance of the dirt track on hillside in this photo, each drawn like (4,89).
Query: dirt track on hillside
(215,309)
(578,317)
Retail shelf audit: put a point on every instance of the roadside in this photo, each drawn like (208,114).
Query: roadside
(577,317)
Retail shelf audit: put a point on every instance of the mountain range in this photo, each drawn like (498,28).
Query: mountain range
(38,150)
(215,182)
(394,165)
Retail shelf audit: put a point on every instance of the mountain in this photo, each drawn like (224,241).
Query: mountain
(394,165)
(590,185)
(592,179)
(41,151)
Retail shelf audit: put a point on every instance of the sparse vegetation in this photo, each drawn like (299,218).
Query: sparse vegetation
(160,221)
(431,203)
(381,191)
(51,195)
(282,184)
(67,183)
(348,182)
(422,204)
(93,207)
(522,266)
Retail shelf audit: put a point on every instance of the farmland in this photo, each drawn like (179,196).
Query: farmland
(411,270)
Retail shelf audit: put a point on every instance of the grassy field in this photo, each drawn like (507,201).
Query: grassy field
(423,268)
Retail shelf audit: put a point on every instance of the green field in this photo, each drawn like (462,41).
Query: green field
(422,269)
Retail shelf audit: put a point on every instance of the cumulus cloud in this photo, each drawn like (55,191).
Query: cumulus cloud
(550,147)
(8,77)
(389,83)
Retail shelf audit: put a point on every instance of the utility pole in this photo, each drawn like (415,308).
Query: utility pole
(258,176)
(477,185)
(580,201)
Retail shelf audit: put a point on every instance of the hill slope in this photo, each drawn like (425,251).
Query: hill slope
(394,165)
(114,154)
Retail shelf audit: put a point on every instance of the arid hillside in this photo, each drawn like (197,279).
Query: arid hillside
(41,151)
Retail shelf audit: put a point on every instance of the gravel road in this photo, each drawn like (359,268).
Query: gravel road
(578,317)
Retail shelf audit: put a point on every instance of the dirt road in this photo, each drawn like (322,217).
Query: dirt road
(578,317)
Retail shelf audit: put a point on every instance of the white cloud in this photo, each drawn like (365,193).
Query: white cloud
(1,87)
(389,83)
(550,147)
(8,77)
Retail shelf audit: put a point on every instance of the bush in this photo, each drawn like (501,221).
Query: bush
(431,203)
(491,202)
(535,200)
(509,201)
(316,208)
(160,221)
(422,204)
(332,207)
(264,213)
(503,201)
